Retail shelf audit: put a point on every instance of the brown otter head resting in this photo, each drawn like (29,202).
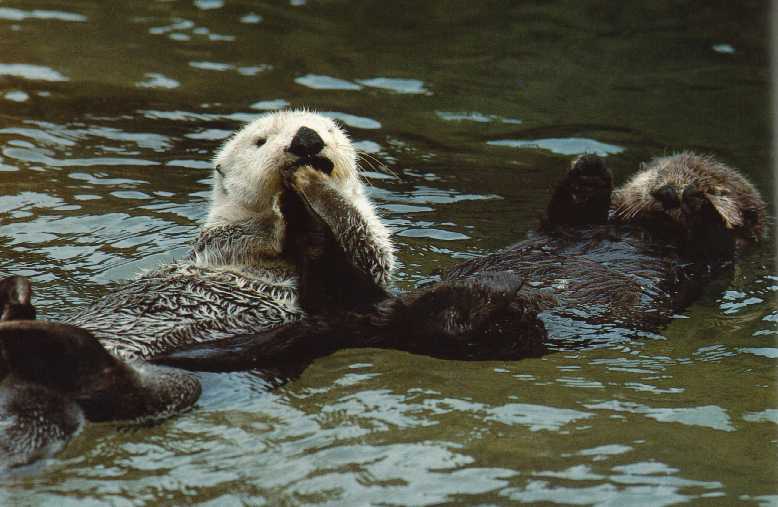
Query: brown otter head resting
(657,191)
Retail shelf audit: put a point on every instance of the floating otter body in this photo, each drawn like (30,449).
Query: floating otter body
(612,279)
(578,276)
(247,271)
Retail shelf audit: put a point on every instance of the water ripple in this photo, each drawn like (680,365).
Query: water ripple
(157,80)
(31,72)
(21,15)
(562,146)
(536,417)
(321,82)
(709,416)
(409,86)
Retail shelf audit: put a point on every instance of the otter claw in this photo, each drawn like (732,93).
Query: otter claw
(287,173)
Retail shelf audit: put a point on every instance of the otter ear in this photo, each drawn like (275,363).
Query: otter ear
(728,209)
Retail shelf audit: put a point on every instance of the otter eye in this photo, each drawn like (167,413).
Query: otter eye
(260,142)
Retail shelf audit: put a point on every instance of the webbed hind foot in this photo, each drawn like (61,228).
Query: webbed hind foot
(15,299)
(486,316)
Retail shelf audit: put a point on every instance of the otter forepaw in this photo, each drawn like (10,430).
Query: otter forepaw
(298,178)
(588,178)
(695,202)
(486,316)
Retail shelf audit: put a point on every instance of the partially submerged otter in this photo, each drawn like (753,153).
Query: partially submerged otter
(579,274)
(248,269)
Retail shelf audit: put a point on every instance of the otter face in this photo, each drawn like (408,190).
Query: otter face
(248,167)
(659,190)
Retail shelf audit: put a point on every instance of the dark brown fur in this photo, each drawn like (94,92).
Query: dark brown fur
(622,279)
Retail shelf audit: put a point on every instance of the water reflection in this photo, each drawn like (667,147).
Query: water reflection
(565,146)
(11,14)
(28,71)
(708,416)
(412,86)
(319,82)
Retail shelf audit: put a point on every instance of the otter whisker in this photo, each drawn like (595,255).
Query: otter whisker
(378,164)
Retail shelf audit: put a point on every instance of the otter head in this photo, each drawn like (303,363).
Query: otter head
(659,191)
(248,167)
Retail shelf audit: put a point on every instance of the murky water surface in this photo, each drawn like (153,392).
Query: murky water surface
(109,112)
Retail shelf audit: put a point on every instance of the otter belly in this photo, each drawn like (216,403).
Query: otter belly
(183,304)
(612,282)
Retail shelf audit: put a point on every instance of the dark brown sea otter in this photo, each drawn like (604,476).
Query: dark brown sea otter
(581,275)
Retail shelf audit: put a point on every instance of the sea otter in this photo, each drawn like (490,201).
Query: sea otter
(287,205)
(582,275)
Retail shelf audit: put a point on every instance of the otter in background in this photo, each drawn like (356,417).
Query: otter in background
(618,278)
(582,274)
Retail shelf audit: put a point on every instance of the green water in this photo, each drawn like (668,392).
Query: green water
(109,112)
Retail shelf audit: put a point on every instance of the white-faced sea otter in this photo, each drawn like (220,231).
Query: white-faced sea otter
(289,230)
(286,192)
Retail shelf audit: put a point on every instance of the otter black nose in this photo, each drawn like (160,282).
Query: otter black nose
(306,143)
(668,196)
